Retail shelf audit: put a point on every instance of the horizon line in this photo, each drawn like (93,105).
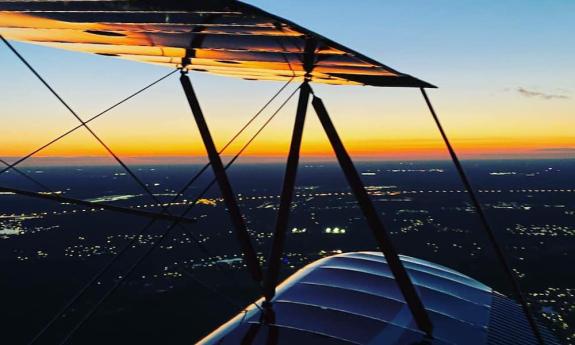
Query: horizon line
(101,160)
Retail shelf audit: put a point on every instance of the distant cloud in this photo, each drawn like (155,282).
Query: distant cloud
(542,95)
(559,149)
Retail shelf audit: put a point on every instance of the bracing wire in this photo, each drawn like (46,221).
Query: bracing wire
(284,54)
(229,164)
(246,125)
(485,224)
(164,208)
(62,136)
(119,282)
(28,177)
(95,205)
(224,297)
(100,273)
(177,222)
(84,124)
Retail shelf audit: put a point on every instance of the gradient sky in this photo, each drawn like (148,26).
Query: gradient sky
(505,71)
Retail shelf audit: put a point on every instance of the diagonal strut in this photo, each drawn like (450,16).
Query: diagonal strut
(380,233)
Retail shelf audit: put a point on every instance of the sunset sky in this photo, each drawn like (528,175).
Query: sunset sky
(505,71)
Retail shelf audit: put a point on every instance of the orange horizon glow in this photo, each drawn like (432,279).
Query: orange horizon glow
(416,149)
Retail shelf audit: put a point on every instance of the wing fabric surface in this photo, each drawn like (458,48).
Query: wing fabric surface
(224,37)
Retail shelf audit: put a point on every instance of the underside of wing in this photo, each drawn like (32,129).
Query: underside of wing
(224,37)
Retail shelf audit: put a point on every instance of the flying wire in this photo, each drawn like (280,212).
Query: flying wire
(85,125)
(28,177)
(119,282)
(100,273)
(128,170)
(164,208)
(246,125)
(53,141)
(485,224)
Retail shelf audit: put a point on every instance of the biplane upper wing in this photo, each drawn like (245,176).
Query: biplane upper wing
(225,37)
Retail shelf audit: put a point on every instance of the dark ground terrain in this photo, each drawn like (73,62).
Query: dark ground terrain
(195,279)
